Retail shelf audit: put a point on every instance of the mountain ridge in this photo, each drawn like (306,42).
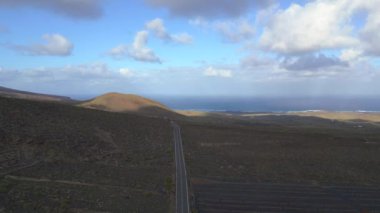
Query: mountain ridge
(13,93)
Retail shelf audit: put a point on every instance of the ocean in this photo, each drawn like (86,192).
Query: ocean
(271,104)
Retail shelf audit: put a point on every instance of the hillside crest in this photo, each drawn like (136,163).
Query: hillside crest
(118,102)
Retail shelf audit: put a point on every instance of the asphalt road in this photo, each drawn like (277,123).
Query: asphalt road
(182,194)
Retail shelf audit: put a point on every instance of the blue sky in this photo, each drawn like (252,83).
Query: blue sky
(197,48)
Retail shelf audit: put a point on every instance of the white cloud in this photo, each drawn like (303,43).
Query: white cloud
(55,45)
(81,79)
(118,52)
(157,26)
(183,38)
(361,78)
(350,54)
(8,75)
(253,61)
(92,70)
(137,51)
(235,31)
(311,62)
(126,72)
(79,72)
(232,30)
(370,35)
(212,72)
(80,9)
(199,22)
(320,24)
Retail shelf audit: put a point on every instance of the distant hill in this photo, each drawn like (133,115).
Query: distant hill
(117,102)
(12,93)
(343,116)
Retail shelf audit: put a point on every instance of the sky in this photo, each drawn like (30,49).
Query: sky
(239,48)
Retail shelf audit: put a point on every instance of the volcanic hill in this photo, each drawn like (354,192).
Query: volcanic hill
(117,102)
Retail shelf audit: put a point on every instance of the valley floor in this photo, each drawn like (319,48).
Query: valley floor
(60,158)
(283,164)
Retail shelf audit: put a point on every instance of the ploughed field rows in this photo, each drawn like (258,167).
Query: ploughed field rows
(272,198)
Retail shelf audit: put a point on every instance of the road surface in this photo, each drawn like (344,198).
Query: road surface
(182,194)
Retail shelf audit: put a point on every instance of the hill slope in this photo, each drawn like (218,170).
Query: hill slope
(117,102)
(12,93)
(59,158)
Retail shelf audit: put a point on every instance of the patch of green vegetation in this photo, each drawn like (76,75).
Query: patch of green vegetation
(148,194)
(64,205)
(169,185)
(170,151)
(5,185)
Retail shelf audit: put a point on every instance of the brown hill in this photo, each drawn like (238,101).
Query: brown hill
(12,93)
(117,102)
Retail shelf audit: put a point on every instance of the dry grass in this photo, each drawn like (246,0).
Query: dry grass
(191,113)
(340,116)
(117,102)
(343,116)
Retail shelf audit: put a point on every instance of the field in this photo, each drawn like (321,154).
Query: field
(61,158)
(270,153)
(339,154)
(261,197)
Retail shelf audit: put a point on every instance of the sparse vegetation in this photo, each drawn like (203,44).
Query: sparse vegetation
(116,102)
(11,93)
(286,149)
(282,163)
(169,184)
(5,185)
(61,158)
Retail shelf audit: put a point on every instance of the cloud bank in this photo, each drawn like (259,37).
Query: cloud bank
(312,62)
(208,8)
(55,45)
(78,9)
(323,25)
(213,72)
